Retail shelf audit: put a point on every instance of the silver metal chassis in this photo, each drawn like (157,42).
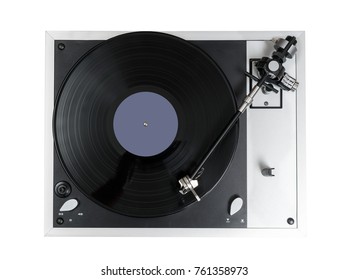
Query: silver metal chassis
(299,230)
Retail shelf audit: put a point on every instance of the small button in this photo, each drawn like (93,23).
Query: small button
(60,221)
(69,205)
(236,205)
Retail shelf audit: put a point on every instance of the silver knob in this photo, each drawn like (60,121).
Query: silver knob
(289,82)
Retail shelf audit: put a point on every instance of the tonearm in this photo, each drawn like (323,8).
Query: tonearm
(271,73)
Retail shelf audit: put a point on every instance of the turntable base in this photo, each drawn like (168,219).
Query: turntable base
(255,180)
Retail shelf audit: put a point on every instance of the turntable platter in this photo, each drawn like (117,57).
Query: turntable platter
(135,114)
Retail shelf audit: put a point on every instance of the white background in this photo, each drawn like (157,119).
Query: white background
(25,253)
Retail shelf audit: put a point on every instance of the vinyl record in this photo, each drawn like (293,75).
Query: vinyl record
(135,114)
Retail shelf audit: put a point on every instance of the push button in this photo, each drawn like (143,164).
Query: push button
(236,205)
(60,221)
(69,205)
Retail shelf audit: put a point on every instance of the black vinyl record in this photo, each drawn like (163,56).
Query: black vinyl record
(84,122)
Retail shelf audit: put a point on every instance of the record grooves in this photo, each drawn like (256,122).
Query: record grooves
(142,186)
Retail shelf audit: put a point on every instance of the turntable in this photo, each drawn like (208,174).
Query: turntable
(174,133)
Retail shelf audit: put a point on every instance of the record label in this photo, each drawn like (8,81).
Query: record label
(145,124)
